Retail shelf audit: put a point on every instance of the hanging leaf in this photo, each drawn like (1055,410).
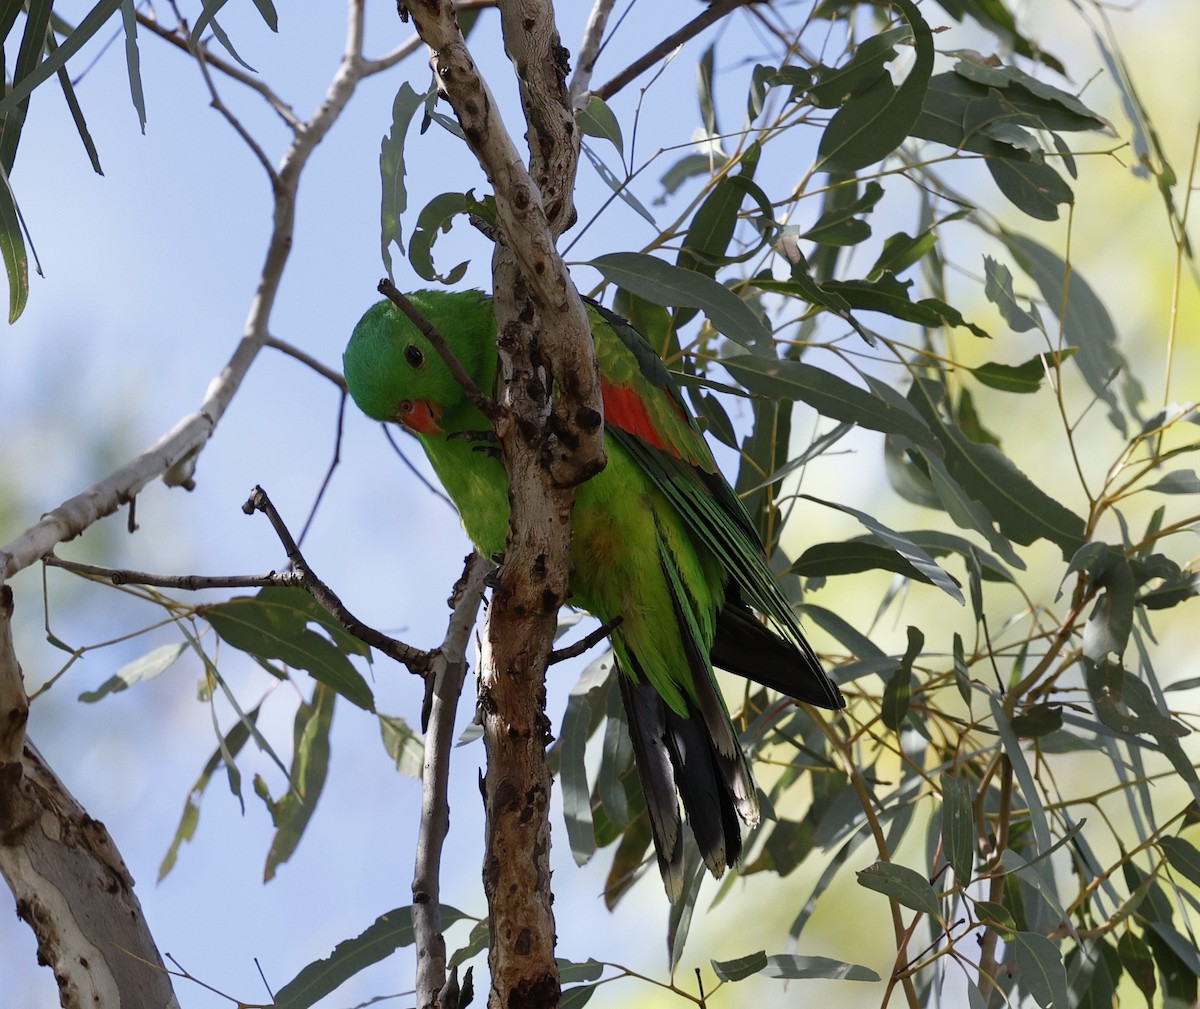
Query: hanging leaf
(597,120)
(874,122)
(273,625)
(1040,969)
(150,665)
(664,284)
(901,884)
(392,170)
(388,933)
(958,827)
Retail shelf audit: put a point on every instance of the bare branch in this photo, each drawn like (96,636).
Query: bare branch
(584,643)
(291,350)
(417,660)
(185,583)
(710,15)
(14,702)
(589,50)
(173,457)
(444,684)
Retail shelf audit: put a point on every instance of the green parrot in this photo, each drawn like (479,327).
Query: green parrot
(659,539)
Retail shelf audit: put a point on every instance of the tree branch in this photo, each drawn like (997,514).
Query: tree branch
(66,874)
(417,660)
(173,457)
(589,50)
(444,685)
(709,16)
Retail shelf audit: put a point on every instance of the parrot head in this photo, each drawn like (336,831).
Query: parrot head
(395,374)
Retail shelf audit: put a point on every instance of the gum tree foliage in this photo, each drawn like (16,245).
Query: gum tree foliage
(856,192)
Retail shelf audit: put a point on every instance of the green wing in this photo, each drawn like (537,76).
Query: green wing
(645,413)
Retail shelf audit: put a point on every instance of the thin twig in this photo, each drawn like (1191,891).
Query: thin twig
(711,15)
(284,111)
(184,583)
(584,643)
(485,404)
(447,673)
(417,660)
(306,359)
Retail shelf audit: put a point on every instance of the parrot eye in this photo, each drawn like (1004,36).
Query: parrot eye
(413,355)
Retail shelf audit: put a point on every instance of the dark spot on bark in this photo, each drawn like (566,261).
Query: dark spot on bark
(530,993)
(472,108)
(474,136)
(550,600)
(528,24)
(523,943)
(505,798)
(588,419)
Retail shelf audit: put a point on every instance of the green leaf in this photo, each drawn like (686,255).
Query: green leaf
(392,169)
(570,972)
(712,226)
(1038,720)
(900,251)
(34,39)
(91,24)
(663,284)
(898,691)
(227,44)
(827,393)
(1183,856)
(799,968)
(848,557)
(1024,512)
(133,60)
(958,827)
(873,123)
(576,997)
(688,167)
(1040,969)
(68,90)
(1021,378)
(997,286)
(266,10)
(310,767)
(209,11)
(388,933)
(619,186)
(273,625)
(12,250)
(597,120)
(1181,481)
(1138,962)
(840,225)
(228,747)
(889,295)
(436,218)
(901,884)
(1086,323)
(404,745)
(741,968)
(912,553)
(586,703)
(147,667)
(864,68)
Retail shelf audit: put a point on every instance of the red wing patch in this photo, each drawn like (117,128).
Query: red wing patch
(624,408)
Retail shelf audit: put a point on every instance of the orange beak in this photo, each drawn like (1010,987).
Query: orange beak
(420,416)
